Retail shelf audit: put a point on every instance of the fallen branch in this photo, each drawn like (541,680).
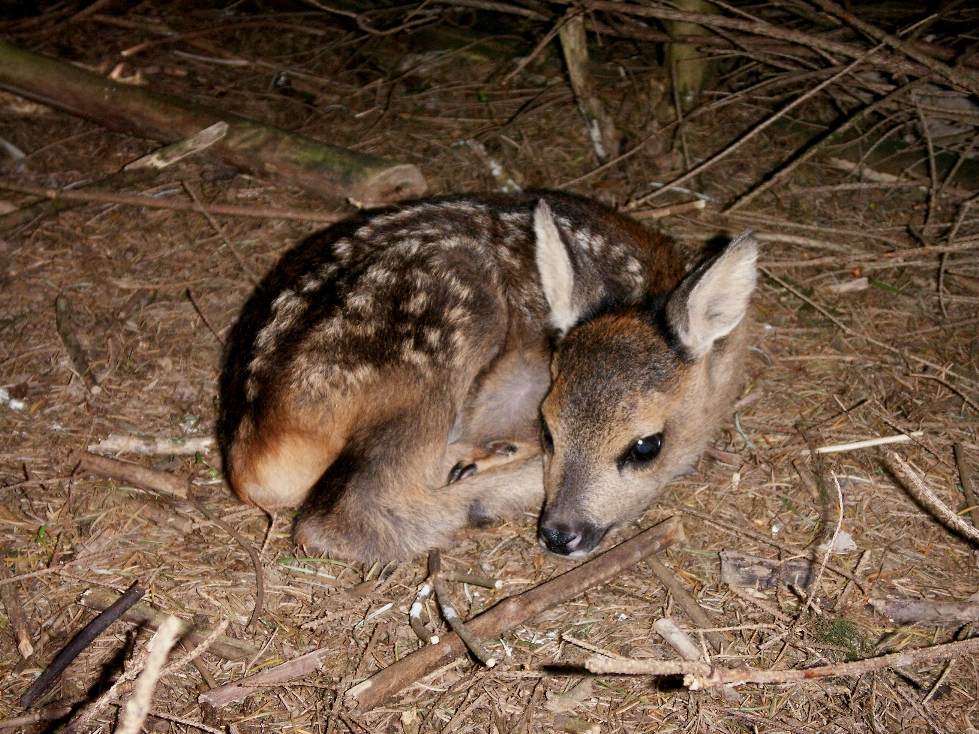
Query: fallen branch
(927,611)
(290,670)
(325,169)
(742,569)
(123,471)
(701,675)
(80,641)
(145,615)
(14,607)
(117,443)
(513,611)
(100,196)
(921,492)
(79,360)
(605,139)
(685,600)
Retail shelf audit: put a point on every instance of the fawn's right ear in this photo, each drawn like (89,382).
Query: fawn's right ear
(713,298)
(555,269)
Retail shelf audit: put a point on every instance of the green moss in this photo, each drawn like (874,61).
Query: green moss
(843,633)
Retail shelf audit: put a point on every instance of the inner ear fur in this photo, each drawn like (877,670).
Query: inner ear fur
(555,269)
(713,298)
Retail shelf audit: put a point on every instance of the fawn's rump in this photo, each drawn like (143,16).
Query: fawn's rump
(275,462)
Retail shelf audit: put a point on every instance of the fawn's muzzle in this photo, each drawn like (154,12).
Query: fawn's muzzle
(565,539)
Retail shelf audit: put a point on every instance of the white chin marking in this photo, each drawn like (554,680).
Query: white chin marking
(572,556)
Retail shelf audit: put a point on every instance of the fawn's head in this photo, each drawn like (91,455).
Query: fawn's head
(637,390)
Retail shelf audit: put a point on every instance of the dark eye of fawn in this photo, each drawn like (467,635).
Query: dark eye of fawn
(546,439)
(643,451)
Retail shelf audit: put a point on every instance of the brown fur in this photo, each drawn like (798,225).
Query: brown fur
(384,351)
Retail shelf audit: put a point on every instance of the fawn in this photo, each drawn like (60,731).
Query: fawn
(398,375)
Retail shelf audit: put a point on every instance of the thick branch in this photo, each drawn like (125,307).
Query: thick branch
(266,151)
(513,611)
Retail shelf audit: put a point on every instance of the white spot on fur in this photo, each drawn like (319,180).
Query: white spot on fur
(359,374)
(362,301)
(456,315)
(380,275)
(342,249)
(432,336)
(309,283)
(415,305)
(412,355)
(459,289)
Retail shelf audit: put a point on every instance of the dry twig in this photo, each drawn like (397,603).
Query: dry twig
(921,492)
(415,614)
(79,642)
(471,640)
(142,614)
(701,675)
(96,196)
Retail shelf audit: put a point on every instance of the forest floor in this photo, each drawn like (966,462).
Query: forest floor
(152,293)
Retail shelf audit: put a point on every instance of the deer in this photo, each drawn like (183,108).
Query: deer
(455,361)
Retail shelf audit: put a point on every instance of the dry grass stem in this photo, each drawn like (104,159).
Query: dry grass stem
(866,443)
(138,706)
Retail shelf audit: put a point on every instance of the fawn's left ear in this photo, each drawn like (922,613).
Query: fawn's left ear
(555,268)
(713,298)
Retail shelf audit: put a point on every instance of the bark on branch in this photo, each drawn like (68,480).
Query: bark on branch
(327,170)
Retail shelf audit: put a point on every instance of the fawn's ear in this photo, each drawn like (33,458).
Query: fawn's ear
(555,269)
(713,298)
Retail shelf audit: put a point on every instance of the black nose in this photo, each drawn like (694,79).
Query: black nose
(560,540)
